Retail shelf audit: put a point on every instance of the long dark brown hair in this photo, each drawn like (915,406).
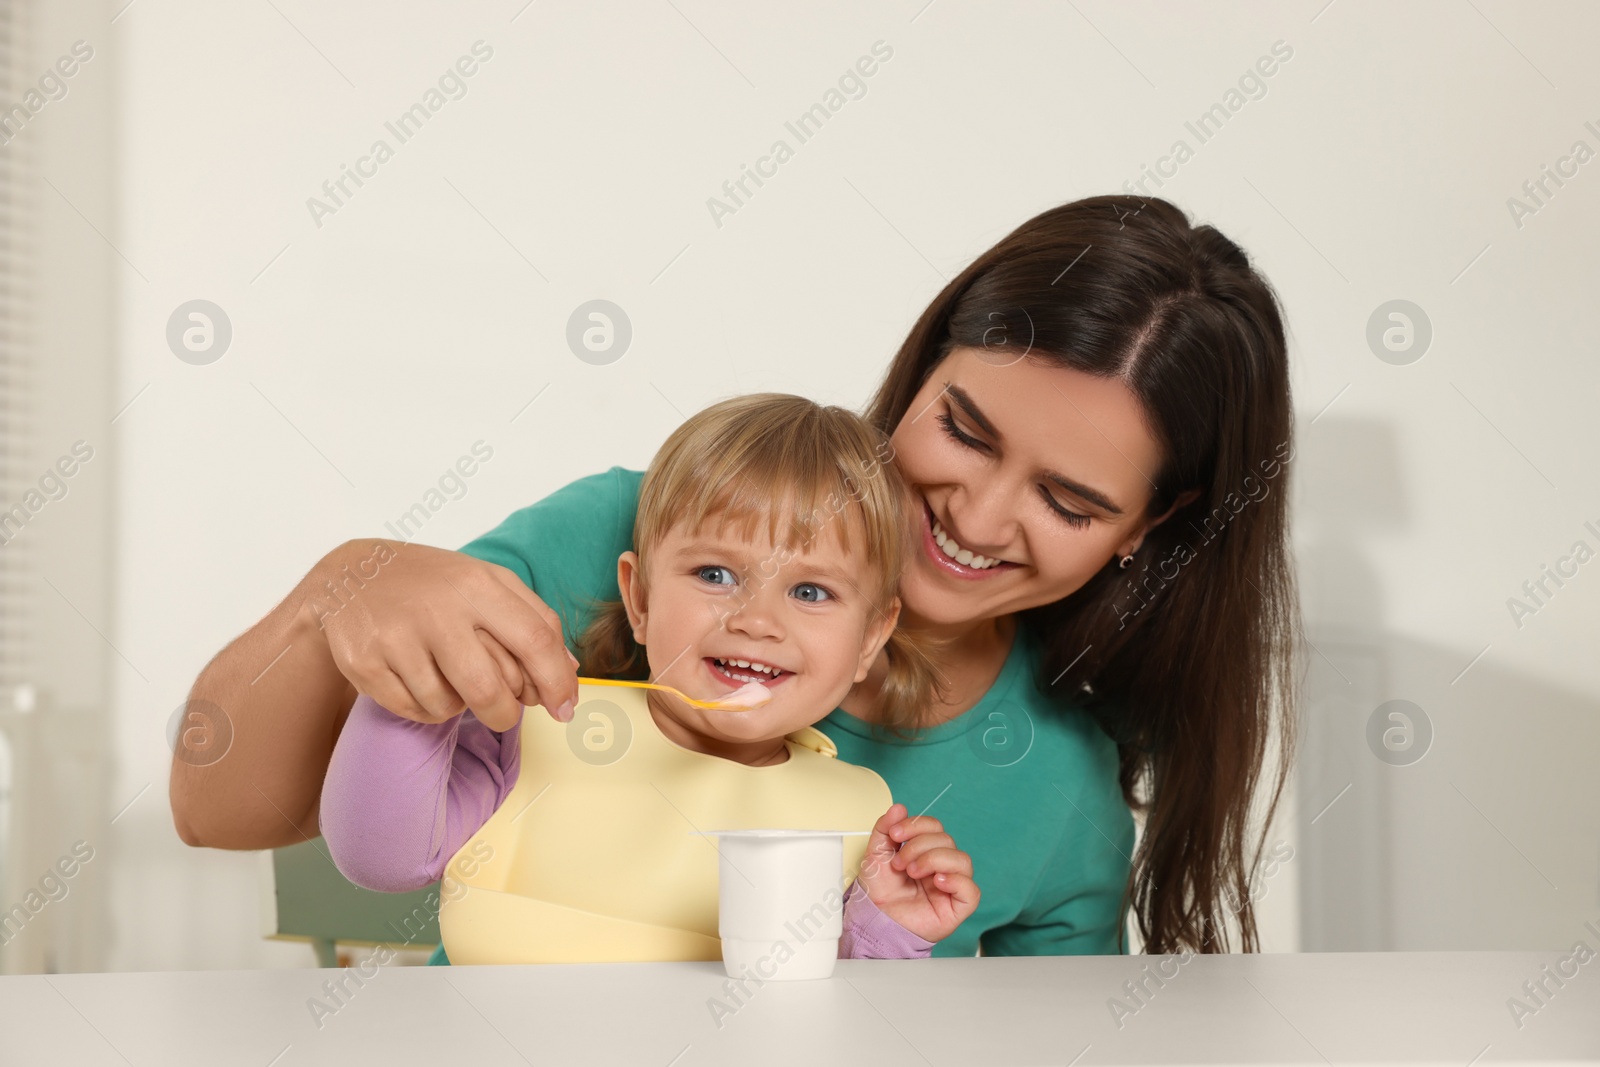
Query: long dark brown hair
(1185,658)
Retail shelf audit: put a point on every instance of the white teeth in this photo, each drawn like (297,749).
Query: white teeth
(760,668)
(964,556)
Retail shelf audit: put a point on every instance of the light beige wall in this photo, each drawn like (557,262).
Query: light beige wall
(368,353)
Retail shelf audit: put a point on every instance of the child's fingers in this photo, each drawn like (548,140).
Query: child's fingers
(886,822)
(909,828)
(962,889)
(880,849)
(920,844)
(940,861)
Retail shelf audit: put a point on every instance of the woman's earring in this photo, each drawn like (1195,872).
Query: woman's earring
(1127,561)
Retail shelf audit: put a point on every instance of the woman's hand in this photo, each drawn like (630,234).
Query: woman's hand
(433,632)
(424,631)
(915,875)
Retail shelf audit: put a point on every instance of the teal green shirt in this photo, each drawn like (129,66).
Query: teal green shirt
(1027,786)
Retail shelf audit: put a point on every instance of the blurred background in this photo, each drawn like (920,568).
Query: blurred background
(243,356)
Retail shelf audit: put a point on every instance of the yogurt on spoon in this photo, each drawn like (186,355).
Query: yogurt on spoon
(747,696)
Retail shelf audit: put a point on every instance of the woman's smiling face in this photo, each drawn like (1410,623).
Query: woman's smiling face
(1040,467)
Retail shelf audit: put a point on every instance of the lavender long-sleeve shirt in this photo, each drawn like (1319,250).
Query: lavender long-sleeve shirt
(402,797)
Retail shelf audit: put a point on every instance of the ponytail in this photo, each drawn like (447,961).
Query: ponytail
(606,649)
(912,684)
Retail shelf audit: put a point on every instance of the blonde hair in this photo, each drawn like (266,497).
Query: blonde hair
(799,466)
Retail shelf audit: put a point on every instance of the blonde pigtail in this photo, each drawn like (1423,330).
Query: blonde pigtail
(912,684)
(607,649)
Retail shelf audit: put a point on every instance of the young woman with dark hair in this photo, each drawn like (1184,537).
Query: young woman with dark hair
(1094,418)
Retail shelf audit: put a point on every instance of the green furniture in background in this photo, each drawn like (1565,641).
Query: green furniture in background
(305,898)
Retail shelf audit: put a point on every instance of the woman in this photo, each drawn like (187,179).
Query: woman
(1095,418)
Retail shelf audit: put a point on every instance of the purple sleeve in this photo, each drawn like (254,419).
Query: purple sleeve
(869,934)
(402,797)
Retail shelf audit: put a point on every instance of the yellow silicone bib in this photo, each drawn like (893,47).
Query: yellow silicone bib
(593,857)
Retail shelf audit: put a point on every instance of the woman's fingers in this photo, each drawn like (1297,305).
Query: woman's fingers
(408,639)
(501,709)
(470,671)
(522,686)
(499,720)
(522,626)
(431,697)
(511,671)
(448,671)
(527,628)
(390,691)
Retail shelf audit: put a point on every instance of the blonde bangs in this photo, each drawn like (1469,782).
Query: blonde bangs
(783,463)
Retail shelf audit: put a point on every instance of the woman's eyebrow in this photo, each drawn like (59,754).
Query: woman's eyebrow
(973,412)
(1093,496)
(970,406)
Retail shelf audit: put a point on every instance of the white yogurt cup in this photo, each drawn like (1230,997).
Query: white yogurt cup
(780,901)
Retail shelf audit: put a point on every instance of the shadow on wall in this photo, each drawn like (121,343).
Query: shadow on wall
(1438,808)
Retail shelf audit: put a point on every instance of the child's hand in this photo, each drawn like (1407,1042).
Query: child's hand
(915,875)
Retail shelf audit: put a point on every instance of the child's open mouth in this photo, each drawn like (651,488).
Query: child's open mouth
(737,672)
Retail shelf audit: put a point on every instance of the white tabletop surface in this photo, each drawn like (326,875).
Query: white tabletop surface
(1334,1008)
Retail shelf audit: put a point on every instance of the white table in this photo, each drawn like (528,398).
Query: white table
(1419,1007)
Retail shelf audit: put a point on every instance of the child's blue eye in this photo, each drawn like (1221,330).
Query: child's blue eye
(714,569)
(813,594)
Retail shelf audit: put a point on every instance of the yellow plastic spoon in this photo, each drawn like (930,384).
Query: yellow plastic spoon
(748,696)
